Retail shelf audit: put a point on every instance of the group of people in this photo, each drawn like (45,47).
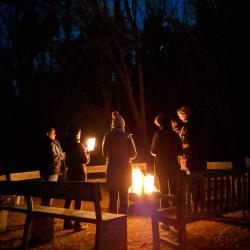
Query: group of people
(54,162)
(170,143)
(118,148)
(177,146)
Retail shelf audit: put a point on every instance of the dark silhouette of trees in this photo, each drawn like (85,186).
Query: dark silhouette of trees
(74,61)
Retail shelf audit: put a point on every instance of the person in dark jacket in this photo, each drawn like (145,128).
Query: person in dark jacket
(77,158)
(192,143)
(166,147)
(118,149)
(51,157)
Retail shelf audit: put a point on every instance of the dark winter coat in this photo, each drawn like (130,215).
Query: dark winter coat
(118,149)
(166,146)
(51,156)
(76,160)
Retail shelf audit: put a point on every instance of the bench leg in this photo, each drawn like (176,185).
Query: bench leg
(111,235)
(3,220)
(155,232)
(26,232)
(42,230)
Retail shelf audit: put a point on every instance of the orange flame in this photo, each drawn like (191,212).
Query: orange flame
(140,183)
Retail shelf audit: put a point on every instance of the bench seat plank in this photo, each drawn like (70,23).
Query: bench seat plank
(82,215)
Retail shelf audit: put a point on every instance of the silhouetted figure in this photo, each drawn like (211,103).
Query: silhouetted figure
(166,146)
(192,141)
(193,147)
(118,149)
(77,158)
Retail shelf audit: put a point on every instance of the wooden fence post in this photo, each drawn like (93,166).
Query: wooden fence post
(181,210)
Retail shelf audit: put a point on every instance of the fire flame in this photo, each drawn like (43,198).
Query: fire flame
(140,183)
(149,185)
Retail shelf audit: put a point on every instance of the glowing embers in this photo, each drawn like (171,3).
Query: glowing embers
(142,184)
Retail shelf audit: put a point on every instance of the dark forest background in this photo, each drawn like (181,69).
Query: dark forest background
(66,62)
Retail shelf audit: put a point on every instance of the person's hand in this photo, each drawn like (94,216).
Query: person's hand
(63,156)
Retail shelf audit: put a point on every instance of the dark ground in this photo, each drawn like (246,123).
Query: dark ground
(234,234)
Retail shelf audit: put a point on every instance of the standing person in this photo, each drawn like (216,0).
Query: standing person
(77,158)
(51,157)
(192,143)
(166,147)
(118,149)
(192,140)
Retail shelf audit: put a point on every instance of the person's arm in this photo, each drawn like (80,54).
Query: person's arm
(83,154)
(53,154)
(155,144)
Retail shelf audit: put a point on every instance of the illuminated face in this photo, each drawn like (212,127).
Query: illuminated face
(52,134)
(184,117)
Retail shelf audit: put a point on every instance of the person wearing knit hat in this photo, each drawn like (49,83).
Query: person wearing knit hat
(117,120)
(118,149)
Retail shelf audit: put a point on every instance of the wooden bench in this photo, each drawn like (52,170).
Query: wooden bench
(111,229)
(28,175)
(221,192)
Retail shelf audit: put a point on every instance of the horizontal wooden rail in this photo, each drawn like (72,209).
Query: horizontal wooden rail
(219,165)
(103,168)
(91,171)
(25,175)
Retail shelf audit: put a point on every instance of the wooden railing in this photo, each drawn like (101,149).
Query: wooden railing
(205,195)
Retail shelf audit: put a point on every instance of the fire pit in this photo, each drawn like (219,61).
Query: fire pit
(140,193)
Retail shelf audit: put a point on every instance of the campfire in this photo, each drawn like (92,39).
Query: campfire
(142,183)
(140,193)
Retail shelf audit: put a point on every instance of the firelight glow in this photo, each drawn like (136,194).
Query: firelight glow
(149,186)
(91,144)
(141,183)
